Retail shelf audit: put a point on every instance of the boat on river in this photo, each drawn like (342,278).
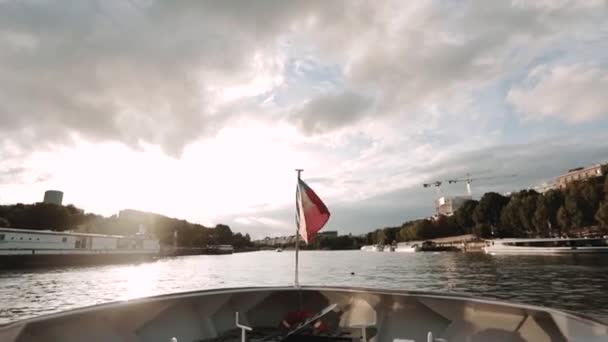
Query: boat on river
(405,247)
(373,248)
(335,314)
(547,246)
(32,248)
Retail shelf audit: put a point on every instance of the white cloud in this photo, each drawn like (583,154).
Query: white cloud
(165,73)
(573,93)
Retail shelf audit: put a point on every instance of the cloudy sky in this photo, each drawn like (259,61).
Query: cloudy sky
(202,109)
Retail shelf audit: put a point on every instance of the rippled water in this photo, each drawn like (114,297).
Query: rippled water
(577,283)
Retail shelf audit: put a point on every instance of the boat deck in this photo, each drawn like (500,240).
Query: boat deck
(350,315)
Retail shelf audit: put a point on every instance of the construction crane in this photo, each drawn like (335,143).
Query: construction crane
(436,184)
(468,180)
(448,205)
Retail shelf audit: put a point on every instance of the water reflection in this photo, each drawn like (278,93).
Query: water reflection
(578,283)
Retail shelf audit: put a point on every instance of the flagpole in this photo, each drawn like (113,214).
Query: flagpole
(296,281)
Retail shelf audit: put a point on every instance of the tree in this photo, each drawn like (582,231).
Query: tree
(489,208)
(423,230)
(553,200)
(574,205)
(510,219)
(602,215)
(564,220)
(380,236)
(47,215)
(369,238)
(464,215)
(223,234)
(4,223)
(405,234)
(446,226)
(482,230)
(527,210)
(390,234)
(582,201)
(541,218)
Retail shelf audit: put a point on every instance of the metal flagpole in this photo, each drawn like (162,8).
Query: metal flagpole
(298,218)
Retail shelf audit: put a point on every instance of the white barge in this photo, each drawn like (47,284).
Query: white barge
(547,246)
(29,248)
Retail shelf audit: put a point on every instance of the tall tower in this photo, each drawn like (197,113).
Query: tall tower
(53,197)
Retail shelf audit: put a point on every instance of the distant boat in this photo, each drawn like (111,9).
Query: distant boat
(278,250)
(403,247)
(373,248)
(547,246)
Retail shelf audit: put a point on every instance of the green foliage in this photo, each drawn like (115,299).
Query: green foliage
(464,215)
(527,210)
(541,218)
(564,220)
(424,230)
(574,208)
(602,215)
(429,229)
(406,233)
(380,236)
(446,226)
(4,222)
(489,208)
(483,230)
(510,221)
(553,200)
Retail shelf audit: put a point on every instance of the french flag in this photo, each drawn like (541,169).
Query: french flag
(311,212)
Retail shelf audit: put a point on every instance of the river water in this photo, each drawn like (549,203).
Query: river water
(578,283)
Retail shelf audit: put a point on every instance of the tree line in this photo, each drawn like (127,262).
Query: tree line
(43,216)
(581,207)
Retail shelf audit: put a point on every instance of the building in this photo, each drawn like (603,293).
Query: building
(579,173)
(53,197)
(447,205)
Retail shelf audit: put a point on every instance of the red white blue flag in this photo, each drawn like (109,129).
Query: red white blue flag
(311,212)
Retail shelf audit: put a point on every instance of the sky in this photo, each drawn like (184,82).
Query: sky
(203,109)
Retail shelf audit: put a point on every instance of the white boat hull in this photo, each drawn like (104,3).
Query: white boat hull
(547,246)
(555,250)
(406,249)
(373,248)
(379,315)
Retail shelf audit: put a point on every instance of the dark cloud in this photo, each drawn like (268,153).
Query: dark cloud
(329,112)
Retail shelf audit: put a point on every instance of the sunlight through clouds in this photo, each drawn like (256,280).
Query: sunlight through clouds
(202,110)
